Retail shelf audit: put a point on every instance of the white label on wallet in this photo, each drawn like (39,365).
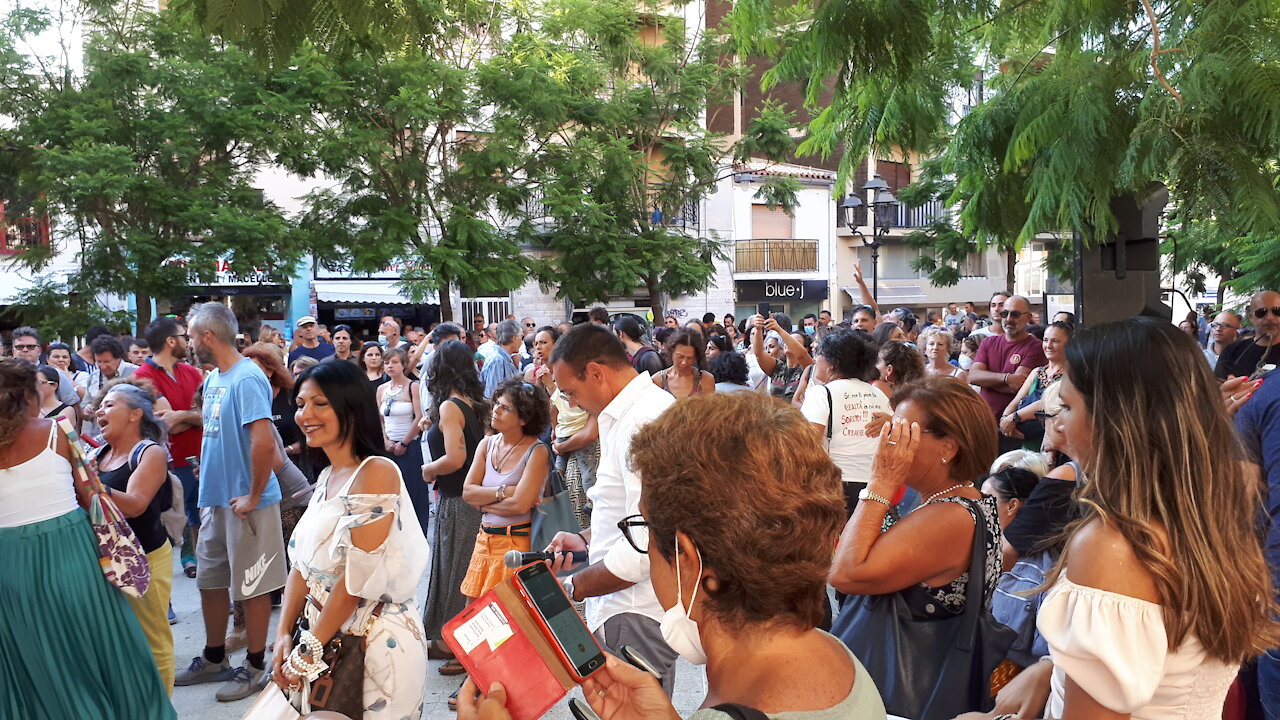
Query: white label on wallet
(489,625)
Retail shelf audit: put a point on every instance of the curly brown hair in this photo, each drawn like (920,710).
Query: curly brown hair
(17,393)
(758,496)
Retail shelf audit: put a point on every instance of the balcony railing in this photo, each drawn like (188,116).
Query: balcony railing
(770,255)
(907,217)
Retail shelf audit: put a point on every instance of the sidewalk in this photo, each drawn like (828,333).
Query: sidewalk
(197,701)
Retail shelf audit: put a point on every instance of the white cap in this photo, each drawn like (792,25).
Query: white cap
(304,320)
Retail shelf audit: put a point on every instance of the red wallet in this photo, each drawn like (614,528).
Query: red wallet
(497,639)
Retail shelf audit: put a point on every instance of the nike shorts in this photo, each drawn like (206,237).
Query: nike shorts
(245,555)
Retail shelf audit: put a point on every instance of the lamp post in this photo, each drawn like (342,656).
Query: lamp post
(885,214)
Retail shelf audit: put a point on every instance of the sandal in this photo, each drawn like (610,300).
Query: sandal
(453,699)
(453,667)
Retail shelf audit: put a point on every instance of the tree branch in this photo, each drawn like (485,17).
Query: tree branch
(1156,51)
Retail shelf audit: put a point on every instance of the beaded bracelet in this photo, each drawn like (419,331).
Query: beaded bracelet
(307,670)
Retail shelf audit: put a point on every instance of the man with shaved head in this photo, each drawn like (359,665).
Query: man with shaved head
(1246,359)
(1004,361)
(1223,332)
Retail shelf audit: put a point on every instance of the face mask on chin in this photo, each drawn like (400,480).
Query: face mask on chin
(678,629)
(966,361)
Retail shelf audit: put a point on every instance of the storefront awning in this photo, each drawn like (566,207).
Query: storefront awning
(891,297)
(367,292)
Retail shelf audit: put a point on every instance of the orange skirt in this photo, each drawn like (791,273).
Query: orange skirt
(488,567)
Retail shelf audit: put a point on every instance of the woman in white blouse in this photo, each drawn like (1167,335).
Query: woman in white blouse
(359,551)
(1163,590)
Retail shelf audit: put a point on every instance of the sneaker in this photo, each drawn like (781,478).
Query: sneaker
(173,617)
(245,680)
(203,671)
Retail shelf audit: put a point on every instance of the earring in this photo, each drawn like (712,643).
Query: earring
(944,461)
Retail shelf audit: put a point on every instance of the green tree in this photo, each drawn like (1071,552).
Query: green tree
(145,159)
(1086,101)
(414,183)
(619,89)
(58,310)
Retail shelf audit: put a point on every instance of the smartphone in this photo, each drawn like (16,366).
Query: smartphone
(560,622)
(193,461)
(634,657)
(582,711)
(763,310)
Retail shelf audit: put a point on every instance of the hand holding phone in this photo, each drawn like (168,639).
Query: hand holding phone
(564,628)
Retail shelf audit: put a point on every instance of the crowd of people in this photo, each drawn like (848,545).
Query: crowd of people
(1029,519)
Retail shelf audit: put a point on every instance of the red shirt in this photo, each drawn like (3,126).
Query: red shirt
(180,391)
(1002,356)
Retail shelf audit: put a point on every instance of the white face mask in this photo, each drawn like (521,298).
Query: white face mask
(966,361)
(678,629)
(382,339)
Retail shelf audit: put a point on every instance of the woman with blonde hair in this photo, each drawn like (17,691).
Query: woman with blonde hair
(1163,590)
(937,343)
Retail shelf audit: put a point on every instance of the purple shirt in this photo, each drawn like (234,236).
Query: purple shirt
(1001,356)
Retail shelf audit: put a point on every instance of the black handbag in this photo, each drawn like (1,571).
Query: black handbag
(929,668)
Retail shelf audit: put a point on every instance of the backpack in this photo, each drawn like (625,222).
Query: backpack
(173,517)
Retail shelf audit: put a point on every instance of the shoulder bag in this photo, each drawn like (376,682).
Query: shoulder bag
(123,562)
(929,668)
(340,688)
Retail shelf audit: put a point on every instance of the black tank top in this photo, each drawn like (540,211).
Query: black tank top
(147,526)
(451,485)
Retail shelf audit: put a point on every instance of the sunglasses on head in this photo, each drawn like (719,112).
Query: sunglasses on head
(1262,312)
(1011,314)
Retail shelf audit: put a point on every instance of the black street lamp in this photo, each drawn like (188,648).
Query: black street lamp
(885,215)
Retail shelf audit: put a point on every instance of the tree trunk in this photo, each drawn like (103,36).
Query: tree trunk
(1011,262)
(143,301)
(655,300)
(446,301)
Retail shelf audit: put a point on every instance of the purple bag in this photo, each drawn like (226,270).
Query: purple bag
(123,562)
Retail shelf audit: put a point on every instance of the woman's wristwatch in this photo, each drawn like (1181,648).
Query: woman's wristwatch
(404,444)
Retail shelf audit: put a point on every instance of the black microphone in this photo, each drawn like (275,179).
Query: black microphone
(517,559)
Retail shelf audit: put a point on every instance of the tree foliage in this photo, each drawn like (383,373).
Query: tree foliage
(145,160)
(58,310)
(619,89)
(1086,101)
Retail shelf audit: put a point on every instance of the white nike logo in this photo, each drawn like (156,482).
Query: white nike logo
(254,573)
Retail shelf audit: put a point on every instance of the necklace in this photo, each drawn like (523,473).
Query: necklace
(940,493)
(510,449)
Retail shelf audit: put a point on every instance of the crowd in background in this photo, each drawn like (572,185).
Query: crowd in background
(1078,504)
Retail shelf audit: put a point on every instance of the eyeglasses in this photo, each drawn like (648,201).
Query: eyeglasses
(1218,325)
(635,521)
(531,324)
(1262,312)
(1011,314)
(184,336)
(35,347)
(49,382)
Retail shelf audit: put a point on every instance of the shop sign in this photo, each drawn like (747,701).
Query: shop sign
(780,290)
(354,313)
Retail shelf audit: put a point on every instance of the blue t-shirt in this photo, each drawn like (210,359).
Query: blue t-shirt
(319,352)
(1259,424)
(233,400)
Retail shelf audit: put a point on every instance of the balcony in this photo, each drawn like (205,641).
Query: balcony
(776,255)
(23,233)
(907,217)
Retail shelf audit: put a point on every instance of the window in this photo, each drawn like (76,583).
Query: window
(22,233)
(974,266)
(766,223)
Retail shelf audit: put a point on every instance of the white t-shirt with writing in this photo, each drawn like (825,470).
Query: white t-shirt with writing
(853,403)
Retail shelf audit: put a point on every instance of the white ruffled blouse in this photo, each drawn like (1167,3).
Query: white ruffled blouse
(1115,648)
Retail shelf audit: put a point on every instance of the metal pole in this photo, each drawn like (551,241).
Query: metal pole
(875,271)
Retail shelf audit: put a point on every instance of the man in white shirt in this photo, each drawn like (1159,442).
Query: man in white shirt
(591,370)
(996,327)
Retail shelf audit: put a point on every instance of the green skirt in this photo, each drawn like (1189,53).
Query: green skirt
(70,646)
